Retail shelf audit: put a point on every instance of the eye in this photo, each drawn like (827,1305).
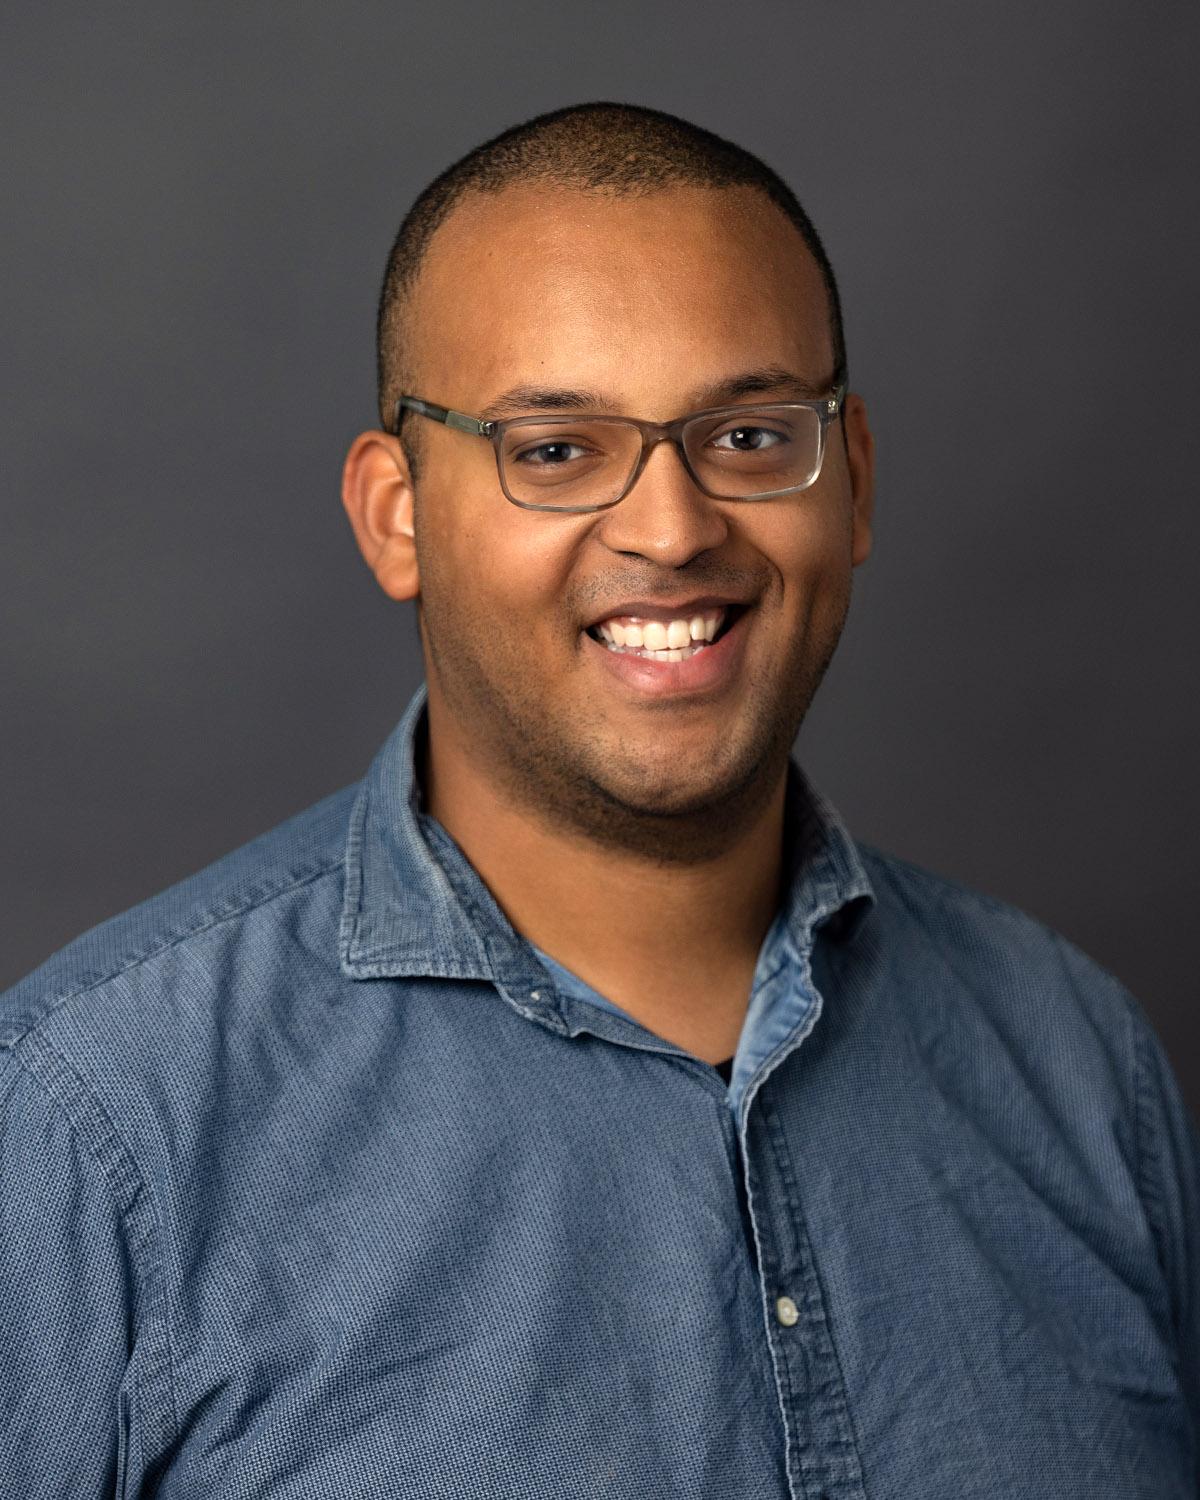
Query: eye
(549,455)
(748,439)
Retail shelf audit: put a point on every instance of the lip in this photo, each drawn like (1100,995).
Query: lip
(658,609)
(705,673)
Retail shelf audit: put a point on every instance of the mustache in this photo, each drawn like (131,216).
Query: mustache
(642,580)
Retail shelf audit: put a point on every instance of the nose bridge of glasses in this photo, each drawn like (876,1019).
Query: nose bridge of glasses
(653,434)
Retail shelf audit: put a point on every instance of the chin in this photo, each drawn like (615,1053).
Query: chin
(676,791)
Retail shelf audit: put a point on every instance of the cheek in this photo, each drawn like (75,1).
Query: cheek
(809,548)
(482,557)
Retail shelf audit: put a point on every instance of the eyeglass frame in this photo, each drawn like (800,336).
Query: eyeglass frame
(827,409)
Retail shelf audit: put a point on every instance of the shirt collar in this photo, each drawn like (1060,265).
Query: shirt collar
(414,906)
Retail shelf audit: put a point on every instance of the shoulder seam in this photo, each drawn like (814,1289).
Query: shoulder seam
(70,1097)
(1148,1145)
(90,982)
(954,887)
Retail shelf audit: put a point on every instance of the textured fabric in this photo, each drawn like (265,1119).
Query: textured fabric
(568,983)
(313,1183)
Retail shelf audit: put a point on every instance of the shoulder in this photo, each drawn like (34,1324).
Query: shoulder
(244,895)
(1034,1048)
(957,951)
(937,913)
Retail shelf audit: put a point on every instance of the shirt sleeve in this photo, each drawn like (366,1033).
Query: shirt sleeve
(1170,1159)
(69,1295)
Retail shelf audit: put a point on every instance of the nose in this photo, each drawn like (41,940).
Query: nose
(664,517)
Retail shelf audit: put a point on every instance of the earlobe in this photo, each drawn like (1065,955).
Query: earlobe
(860,454)
(377,493)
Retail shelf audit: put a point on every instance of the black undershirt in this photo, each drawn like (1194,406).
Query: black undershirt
(725,1068)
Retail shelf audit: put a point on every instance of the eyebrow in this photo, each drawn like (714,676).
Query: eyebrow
(770,379)
(521,400)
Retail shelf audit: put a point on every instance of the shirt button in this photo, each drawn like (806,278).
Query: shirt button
(786,1311)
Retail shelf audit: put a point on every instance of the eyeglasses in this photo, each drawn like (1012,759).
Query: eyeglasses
(585,463)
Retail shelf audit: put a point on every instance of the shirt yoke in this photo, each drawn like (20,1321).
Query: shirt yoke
(959,915)
(302,849)
(1017,969)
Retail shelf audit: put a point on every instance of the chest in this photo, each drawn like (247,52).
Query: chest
(532,1283)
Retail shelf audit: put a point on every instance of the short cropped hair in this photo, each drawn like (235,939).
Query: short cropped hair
(625,149)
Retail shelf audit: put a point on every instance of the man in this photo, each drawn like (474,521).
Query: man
(573,1108)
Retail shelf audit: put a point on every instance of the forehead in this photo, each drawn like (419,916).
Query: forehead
(548,284)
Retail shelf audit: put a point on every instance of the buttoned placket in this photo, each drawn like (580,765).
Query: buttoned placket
(821,1453)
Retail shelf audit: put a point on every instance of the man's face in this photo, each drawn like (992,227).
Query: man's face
(656,306)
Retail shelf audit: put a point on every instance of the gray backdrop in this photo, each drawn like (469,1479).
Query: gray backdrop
(198,201)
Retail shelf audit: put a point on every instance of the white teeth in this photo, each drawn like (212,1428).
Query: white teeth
(662,640)
(678,634)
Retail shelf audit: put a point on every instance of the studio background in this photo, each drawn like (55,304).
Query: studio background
(198,204)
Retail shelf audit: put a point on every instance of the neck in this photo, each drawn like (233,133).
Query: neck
(673,944)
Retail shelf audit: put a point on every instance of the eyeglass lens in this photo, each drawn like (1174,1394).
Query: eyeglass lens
(586,461)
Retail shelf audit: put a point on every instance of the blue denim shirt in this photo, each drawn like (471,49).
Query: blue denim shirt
(313,1183)
(779,998)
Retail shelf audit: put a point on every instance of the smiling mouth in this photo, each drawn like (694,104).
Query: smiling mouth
(676,639)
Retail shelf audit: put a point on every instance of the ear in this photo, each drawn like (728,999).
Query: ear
(377,492)
(860,456)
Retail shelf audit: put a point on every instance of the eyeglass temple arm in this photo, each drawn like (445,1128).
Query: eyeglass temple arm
(459,420)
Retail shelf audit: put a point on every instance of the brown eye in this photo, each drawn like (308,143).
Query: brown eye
(550,454)
(748,439)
